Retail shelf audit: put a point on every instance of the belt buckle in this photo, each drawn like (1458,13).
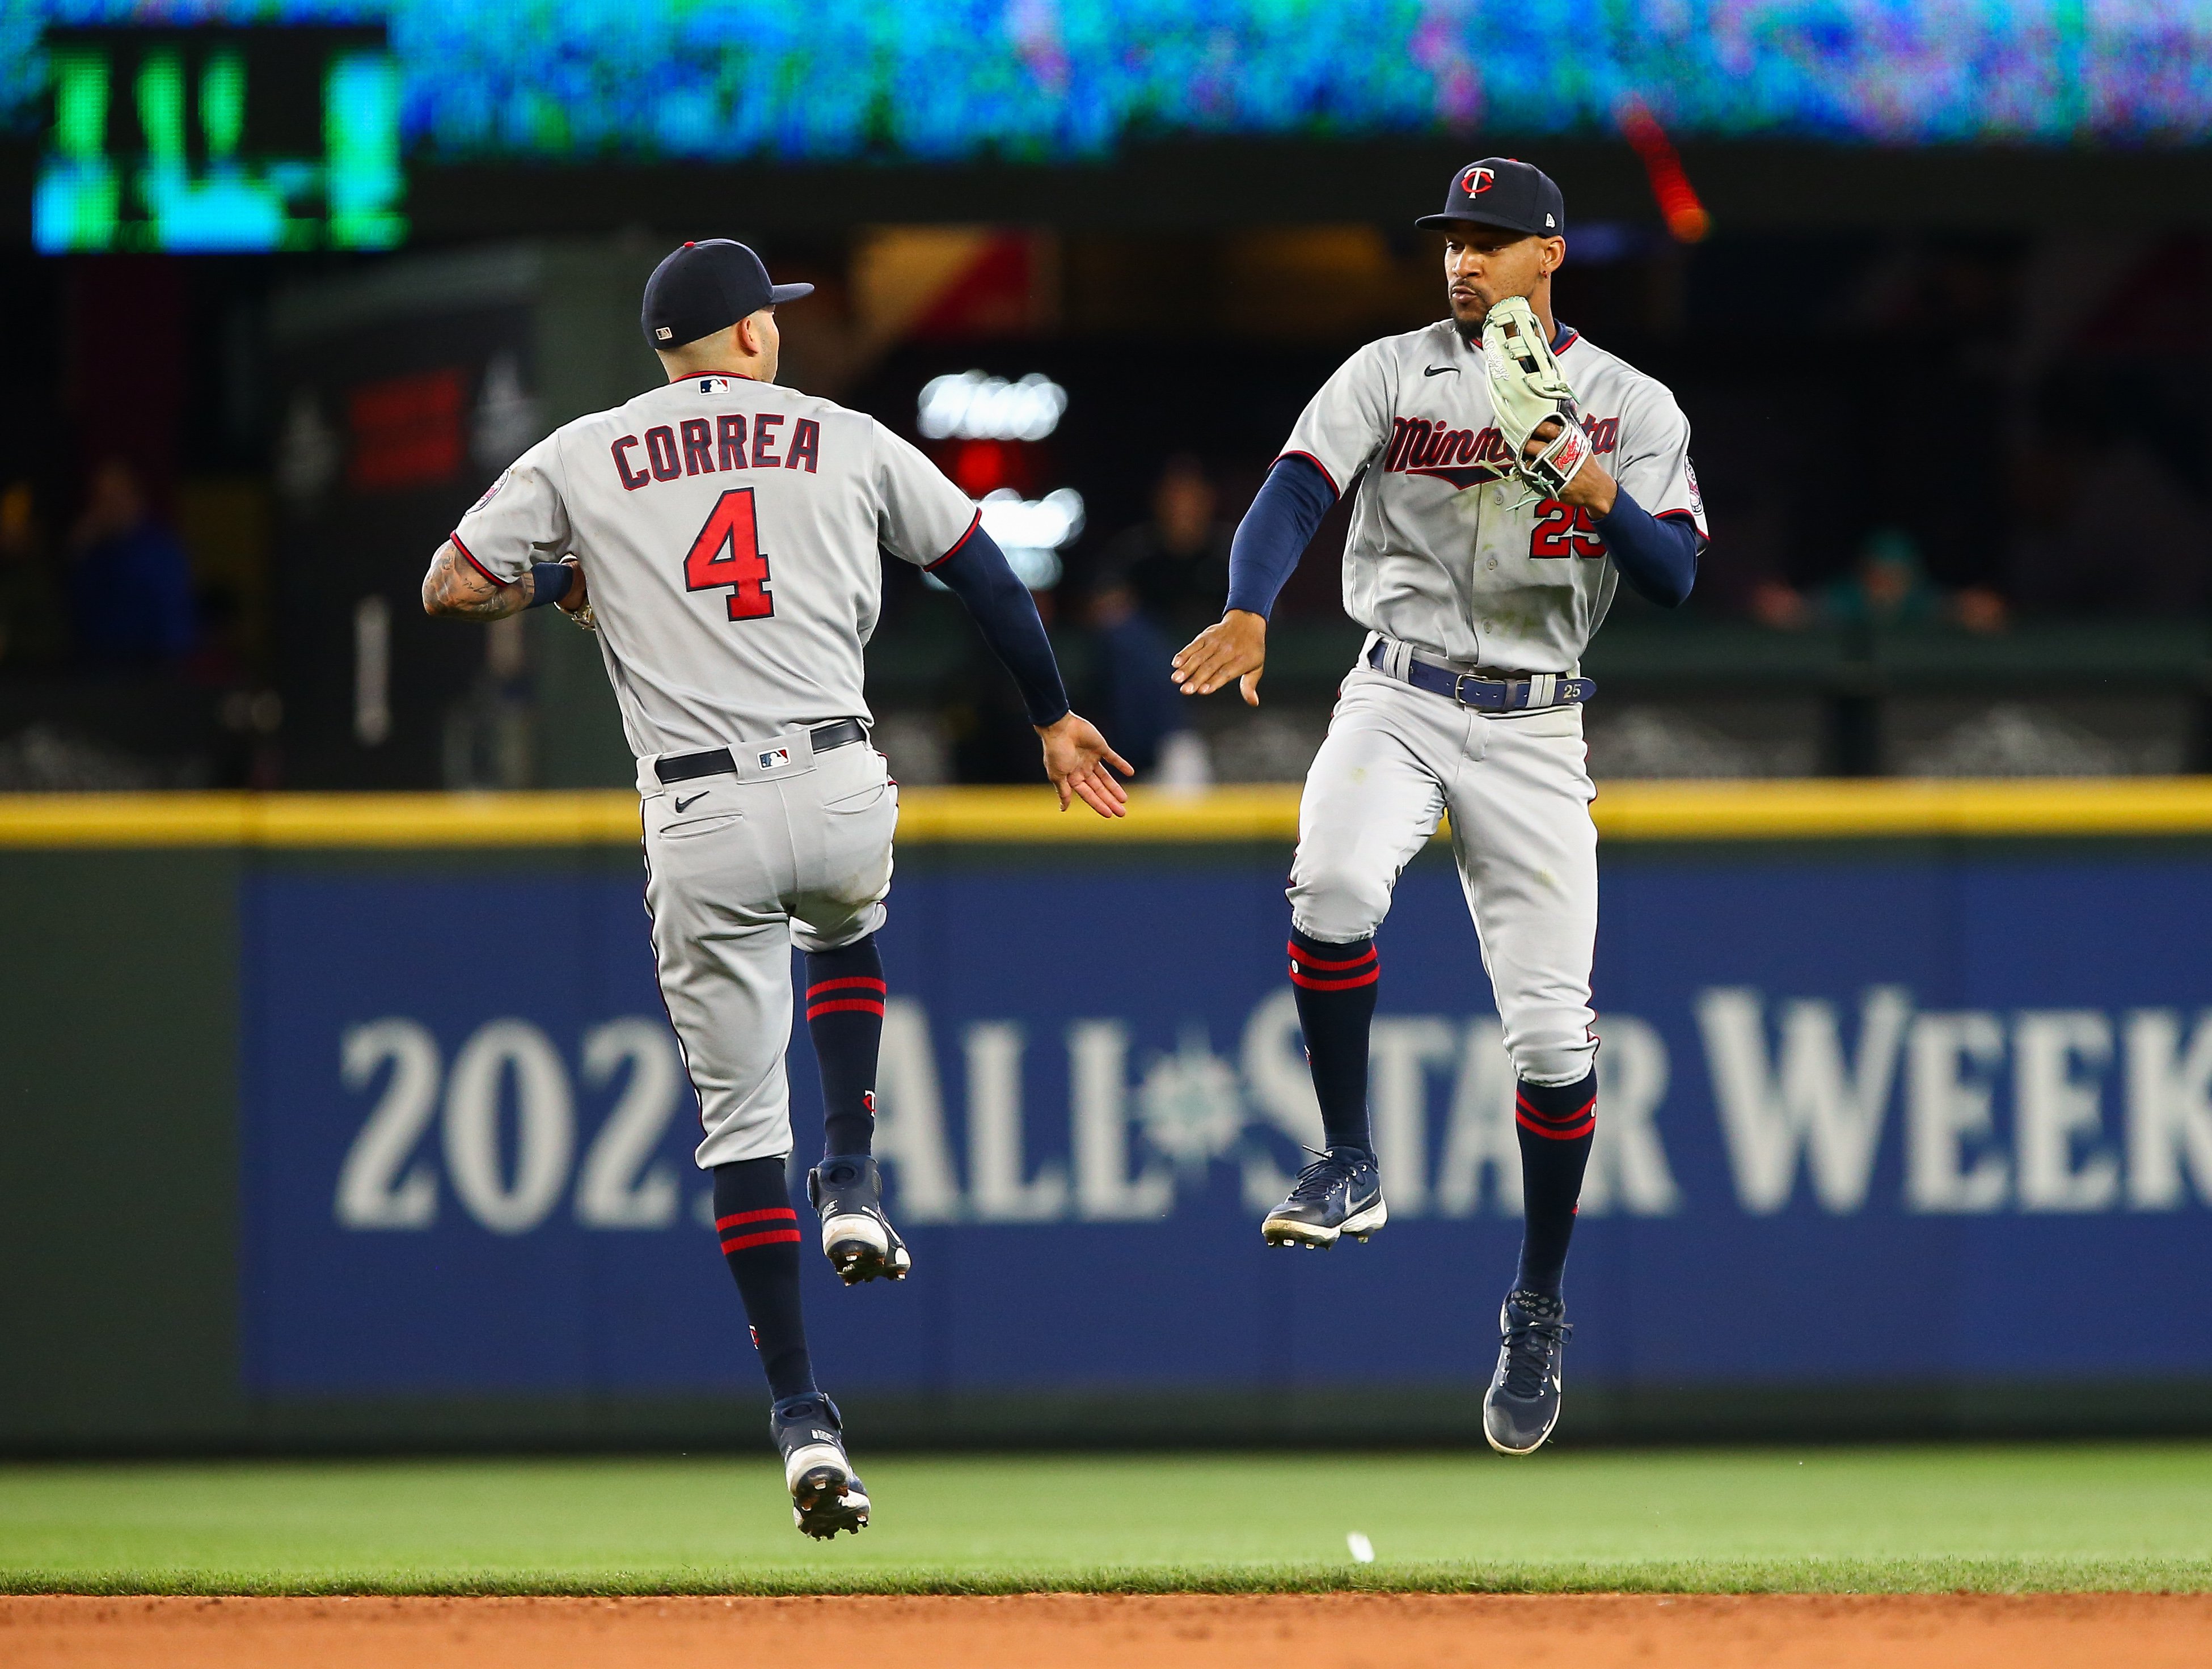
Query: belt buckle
(1459,678)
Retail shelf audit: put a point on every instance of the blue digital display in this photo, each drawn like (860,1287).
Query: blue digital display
(937,80)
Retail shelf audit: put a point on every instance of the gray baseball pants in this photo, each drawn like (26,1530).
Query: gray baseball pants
(1518,789)
(738,868)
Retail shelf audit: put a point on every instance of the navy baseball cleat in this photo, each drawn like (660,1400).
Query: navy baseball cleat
(858,1239)
(826,1494)
(1522,1404)
(1340,1194)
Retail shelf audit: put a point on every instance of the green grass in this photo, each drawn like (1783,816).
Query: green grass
(1987,1519)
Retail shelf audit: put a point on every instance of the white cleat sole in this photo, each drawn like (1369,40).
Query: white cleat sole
(825,1497)
(842,1236)
(1287,1231)
(810,1456)
(855,1242)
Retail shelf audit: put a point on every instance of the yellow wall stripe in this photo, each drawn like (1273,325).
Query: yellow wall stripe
(1639,811)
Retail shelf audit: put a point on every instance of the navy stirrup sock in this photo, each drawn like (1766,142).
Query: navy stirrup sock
(845,993)
(761,1241)
(1555,1123)
(1335,986)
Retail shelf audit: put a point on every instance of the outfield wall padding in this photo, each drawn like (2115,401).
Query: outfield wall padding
(337,1123)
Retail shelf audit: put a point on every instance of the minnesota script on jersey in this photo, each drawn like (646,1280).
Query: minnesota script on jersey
(729,532)
(1448,552)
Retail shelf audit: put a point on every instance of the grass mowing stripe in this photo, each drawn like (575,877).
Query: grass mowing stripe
(1987,1519)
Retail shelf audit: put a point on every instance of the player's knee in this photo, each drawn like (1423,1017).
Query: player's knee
(1338,900)
(1554,1061)
(823,930)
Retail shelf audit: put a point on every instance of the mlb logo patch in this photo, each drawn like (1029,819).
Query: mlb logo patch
(774,757)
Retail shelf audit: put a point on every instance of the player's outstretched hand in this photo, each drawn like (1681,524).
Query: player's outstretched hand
(1075,757)
(1234,646)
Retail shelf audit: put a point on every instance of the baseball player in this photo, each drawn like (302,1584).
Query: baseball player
(1513,473)
(720,534)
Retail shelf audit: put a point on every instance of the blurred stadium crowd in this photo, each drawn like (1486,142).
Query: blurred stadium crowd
(1960,488)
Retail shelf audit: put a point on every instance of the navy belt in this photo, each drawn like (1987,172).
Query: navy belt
(716,761)
(1485,695)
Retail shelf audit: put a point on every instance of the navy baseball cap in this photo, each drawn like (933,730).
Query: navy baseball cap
(703,287)
(1503,191)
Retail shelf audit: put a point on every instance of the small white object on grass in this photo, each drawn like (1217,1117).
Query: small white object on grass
(1363,1550)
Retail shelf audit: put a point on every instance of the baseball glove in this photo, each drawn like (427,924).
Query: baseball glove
(1527,391)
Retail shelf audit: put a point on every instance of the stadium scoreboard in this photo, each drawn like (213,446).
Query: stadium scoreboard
(219,139)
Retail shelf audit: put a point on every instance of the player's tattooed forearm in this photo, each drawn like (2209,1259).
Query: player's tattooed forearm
(452,587)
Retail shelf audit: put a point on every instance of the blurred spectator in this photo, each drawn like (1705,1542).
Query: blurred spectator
(1159,585)
(1887,586)
(130,583)
(1175,566)
(33,625)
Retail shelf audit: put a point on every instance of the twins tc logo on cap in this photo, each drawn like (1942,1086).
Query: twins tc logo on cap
(1476,181)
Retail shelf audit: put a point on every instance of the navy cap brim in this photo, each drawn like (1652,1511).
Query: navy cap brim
(778,294)
(1441,223)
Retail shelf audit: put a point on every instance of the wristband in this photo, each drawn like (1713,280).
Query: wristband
(549,583)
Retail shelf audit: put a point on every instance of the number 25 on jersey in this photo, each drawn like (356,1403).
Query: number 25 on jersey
(1563,529)
(728,553)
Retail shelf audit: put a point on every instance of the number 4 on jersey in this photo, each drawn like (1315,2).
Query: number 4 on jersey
(728,553)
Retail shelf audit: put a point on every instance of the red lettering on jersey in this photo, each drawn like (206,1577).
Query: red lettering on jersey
(730,434)
(1393,456)
(805,443)
(728,553)
(1562,530)
(631,479)
(762,439)
(698,446)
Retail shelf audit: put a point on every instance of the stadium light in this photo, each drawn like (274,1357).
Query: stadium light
(970,405)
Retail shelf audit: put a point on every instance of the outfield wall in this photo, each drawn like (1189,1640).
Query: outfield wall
(355,1121)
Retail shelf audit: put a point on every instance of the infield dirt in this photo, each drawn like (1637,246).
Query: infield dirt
(1089,1631)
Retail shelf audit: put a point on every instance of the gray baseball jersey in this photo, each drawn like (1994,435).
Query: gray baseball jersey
(1447,552)
(729,532)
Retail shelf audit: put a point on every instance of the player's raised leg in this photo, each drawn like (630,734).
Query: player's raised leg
(1527,856)
(724,972)
(1371,803)
(844,874)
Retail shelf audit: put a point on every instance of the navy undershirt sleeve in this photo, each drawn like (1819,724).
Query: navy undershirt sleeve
(1004,612)
(1657,556)
(1275,532)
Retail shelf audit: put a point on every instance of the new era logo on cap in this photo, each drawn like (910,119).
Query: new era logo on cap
(708,286)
